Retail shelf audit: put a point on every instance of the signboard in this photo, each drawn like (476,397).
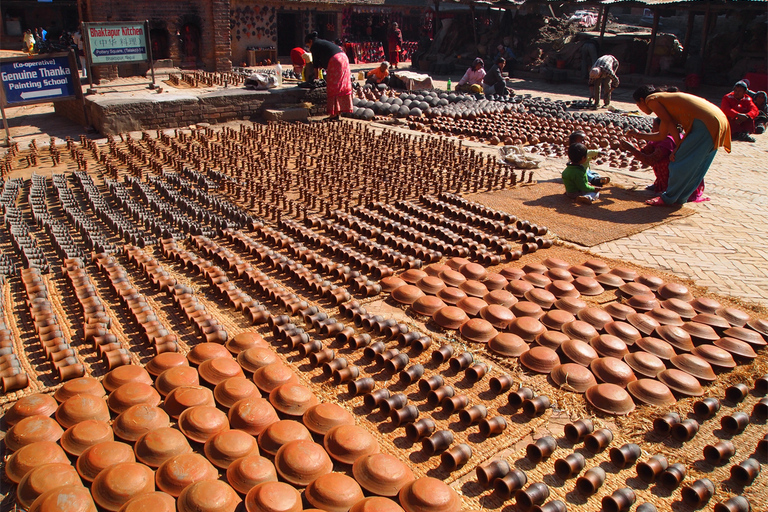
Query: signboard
(116,43)
(38,79)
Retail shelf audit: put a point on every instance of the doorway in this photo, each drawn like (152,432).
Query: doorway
(159,38)
(190,45)
(289,34)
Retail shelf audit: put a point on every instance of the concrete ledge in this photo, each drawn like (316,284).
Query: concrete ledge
(286,114)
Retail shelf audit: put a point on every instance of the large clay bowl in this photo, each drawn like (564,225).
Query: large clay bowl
(657,347)
(165,361)
(608,345)
(151,502)
(178,472)
(346,443)
(612,370)
(273,497)
(541,297)
(518,288)
(652,392)
(451,295)
(681,382)
(682,308)
(80,408)
(184,397)
(665,316)
(610,399)
(217,370)
(738,348)
(79,386)
(512,273)
(292,399)
(580,330)
(256,357)
(176,376)
(381,473)
(676,336)
(299,462)
(695,366)
(551,339)
(595,317)
(705,305)
(750,336)
(540,359)
(44,478)
(625,331)
(427,494)
(280,433)
(700,332)
(138,420)
(157,446)
(272,376)
(117,484)
(247,472)
(473,288)
(500,297)
(674,291)
(83,435)
(234,389)
(430,284)
(471,305)
(427,305)
(407,294)
(100,456)
(586,270)
(389,284)
(526,327)
(324,416)
(69,498)
(333,492)
(225,447)
(644,364)
(204,351)
(572,377)
(588,286)
(507,344)
(376,504)
(208,496)
(125,374)
(610,280)
(132,393)
(536,279)
(450,317)
(643,302)
(244,341)
(30,405)
(413,275)
(643,323)
(202,422)
(252,415)
(31,456)
(452,277)
(556,319)
(499,316)
(716,322)
(526,308)
(578,352)
(570,304)
(478,330)
(32,429)
(631,289)
(618,310)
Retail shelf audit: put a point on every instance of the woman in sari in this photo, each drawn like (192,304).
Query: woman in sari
(338,78)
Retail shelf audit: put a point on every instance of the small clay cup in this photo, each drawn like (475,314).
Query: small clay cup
(476,372)
(420,429)
(500,384)
(436,396)
(719,453)
(492,426)
(456,457)
(591,481)
(746,472)
(487,474)
(411,374)
(598,440)
(536,494)
(541,449)
(576,432)
(442,354)
(620,501)
(437,442)
(551,506)
(430,384)
(760,410)
(516,398)
(698,493)
(461,361)
(735,423)
(650,470)
(625,456)
(536,406)
(737,393)
(706,408)
(762,445)
(454,404)
(374,399)
(664,424)
(361,386)
(735,504)
(570,466)
(407,414)
(394,402)
(509,483)
(473,415)
(673,476)
(347,374)
(646,507)
(685,430)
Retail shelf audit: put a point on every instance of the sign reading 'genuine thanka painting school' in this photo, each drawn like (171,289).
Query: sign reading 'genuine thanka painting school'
(116,43)
(36,79)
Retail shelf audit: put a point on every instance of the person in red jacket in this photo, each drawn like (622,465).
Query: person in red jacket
(740,111)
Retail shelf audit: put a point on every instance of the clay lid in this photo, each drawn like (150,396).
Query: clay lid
(518,288)
(452,277)
(657,347)
(675,336)
(345,443)
(151,502)
(551,263)
(229,391)
(252,415)
(595,317)
(675,291)
(536,279)
(412,275)
(700,332)
(714,321)
(478,330)
(608,345)
(117,484)
(540,359)
(526,327)
(292,399)
(580,330)
(451,317)
(572,377)
(618,310)
(80,408)
(70,498)
(715,356)
(183,470)
(44,478)
(527,308)
(324,416)
(759,325)
(512,273)
(559,274)
(643,302)
(499,316)
(132,393)
(652,282)
(208,496)
(610,399)
(682,308)
(612,370)
(680,381)
(652,392)
(578,351)
(202,422)
(551,339)
(451,295)
(610,280)
(435,268)
(406,294)
(570,304)
(205,351)
(244,341)
(494,281)
(473,288)
(427,494)
(247,472)
(30,405)
(694,365)
(125,374)
(299,462)
(175,377)
(626,274)
(645,364)
(256,357)
(157,446)
(631,289)
(427,305)
(281,432)
(184,397)
(626,332)
(507,344)
(333,492)
(273,497)
(31,456)
(540,297)
(217,370)
(560,289)
(390,283)
(588,286)
(557,318)
(164,361)
(79,386)
(736,347)
(103,455)
(272,376)
(754,338)
(225,447)
(643,323)
(381,473)
(137,420)
(665,316)
(705,305)
(84,435)
(500,297)
(430,284)
(376,504)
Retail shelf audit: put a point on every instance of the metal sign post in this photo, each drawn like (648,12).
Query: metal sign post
(149,54)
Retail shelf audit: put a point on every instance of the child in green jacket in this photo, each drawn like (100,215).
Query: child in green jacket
(575,179)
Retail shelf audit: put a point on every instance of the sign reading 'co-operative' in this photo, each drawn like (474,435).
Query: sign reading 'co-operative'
(115,43)
(37,79)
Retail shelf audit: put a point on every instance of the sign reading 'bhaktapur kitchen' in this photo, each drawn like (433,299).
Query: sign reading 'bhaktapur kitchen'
(116,43)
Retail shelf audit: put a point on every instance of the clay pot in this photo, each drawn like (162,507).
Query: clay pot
(685,430)
(541,449)
(80,408)
(252,415)
(157,446)
(333,492)
(324,416)
(176,376)
(746,472)
(570,466)
(625,456)
(208,496)
(598,440)
(672,476)
(735,423)
(381,474)
(202,422)
(508,484)
(30,405)
(536,494)
(246,472)
(664,424)
(420,429)
(719,453)
(85,434)
(346,443)
(437,442)
(178,472)
(299,462)
(591,481)
(429,494)
(125,374)
(165,361)
(488,473)
(132,393)
(227,446)
(737,393)
(456,456)
(32,456)
(650,470)
(735,504)
(117,484)
(698,493)
(517,398)
(492,426)
(576,432)
(620,501)
(77,498)
(273,496)
(536,406)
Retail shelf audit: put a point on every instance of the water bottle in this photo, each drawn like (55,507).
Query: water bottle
(279,73)
(449,85)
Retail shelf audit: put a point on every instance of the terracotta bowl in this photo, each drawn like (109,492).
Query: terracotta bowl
(610,399)
(30,405)
(165,361)
(451,295)
(280,433)
(292,399)
(578,352)
(665,316)
(184,397)
(580,330)
(508,345)
(324,416)
(80,408)
(540,297)
(407,294)
(132,393)
(218,369)
(737,348)
(625,331)
(585,270)
(499,316)
(608,280)
(735,317)
(157,446)
(256,357)
(473,288)
(754,338)
(556,319)
(208,496)
(117,484)
(427,305)
(512,273)
(346,443)
(252,415)
(518,288)
(202,422)
(125,374)
(83,435)
(674,291)
(381,473)
(681,382)
(430,284)
(612,370)
(478,330)
(247,472)
(572,377)
(695,366)
(570,304)
(675,336)
(31,456)
(299,462)
(471,305)
(608,345)
(333,492)
(273,497)
(389,284)
(175,377)
(705,305)
(151,502)
(540,359)
(715,321)
(644,364)
(657,347)
(32,429)
(79,386)
(225,447)
(643,323)
(561,288)
(272,376)
(536,279)
(618,310)
(412,275)
(526,327)
(77,498)
(500,297)
(244,341)
(138,420)
(234,389)
(427,494)
(178,472)
(205,351)
(652,392)
(525,308)
(450,317)
(44,478)
(596,317)
(551,339)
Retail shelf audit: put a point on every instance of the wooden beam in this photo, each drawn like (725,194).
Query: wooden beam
(705,31)
(474,28)
(652,46)
(688,32)
(602,27)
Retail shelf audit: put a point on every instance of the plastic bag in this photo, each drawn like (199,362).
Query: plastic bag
(519,158)
(261,81)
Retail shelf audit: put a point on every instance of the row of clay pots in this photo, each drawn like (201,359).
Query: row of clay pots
(92,234)
(59,234)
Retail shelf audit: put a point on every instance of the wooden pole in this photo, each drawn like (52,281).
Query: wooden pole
(474,28)
(705,30)
(652,46)
(602,27)
(688,32)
